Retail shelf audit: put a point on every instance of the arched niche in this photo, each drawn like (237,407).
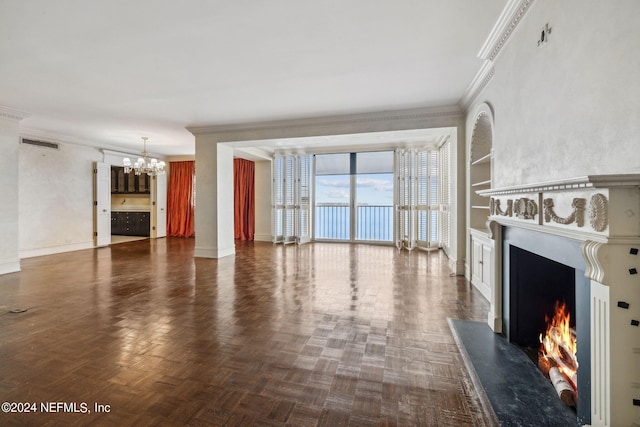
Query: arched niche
(480,160)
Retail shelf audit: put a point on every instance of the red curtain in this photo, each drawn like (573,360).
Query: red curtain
(180,199)
(244,199)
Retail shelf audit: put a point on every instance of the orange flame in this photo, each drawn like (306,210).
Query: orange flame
(559,343)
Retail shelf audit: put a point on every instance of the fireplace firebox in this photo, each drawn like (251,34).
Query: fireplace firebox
(540,270)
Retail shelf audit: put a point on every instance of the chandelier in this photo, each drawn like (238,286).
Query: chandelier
(144,165)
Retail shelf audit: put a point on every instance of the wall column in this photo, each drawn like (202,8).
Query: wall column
(214,219)
(9,213)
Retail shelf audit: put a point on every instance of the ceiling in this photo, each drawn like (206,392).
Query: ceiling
(106,73)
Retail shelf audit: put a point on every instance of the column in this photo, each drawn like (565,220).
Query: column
(214,218)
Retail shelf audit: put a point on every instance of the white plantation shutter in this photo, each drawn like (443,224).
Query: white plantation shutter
(445,195)
(291,198)
(419,184)
(304,199)
(277,204)
(405,199)
(423,200)
(434,207)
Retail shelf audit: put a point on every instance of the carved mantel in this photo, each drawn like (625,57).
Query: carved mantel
(595,207)
(602,212)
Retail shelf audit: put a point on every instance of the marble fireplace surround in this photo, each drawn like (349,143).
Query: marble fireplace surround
(602,214)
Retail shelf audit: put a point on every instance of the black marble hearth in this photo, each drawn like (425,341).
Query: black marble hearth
(518,393)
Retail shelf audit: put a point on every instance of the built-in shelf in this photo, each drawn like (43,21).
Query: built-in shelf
(484,159)
(482,183)
(480,207)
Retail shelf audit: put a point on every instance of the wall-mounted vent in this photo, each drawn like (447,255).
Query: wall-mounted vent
(43,144)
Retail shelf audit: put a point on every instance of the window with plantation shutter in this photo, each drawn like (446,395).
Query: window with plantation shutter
(445,195)
(291,198)
(419,187)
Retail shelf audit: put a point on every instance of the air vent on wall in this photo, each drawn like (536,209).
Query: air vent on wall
(44,144)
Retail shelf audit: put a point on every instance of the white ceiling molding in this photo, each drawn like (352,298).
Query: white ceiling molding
(482,78)
(254,154)
(507,22)
(355,123)
(10,113)
(505,25)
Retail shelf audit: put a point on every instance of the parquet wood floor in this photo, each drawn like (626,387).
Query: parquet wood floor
(315,335)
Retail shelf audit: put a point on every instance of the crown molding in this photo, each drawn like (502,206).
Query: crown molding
(505,25)
(578,183)
(322,124)
(482,78)
(10,113)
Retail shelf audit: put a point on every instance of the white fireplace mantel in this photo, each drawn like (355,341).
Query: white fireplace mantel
(602,212)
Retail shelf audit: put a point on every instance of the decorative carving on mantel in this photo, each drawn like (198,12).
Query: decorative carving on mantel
(599,212)
(495,209)
(525,208)
(576,216)
(592,256)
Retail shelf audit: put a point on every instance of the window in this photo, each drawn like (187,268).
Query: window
(419,177)
(354,196)
(291,195)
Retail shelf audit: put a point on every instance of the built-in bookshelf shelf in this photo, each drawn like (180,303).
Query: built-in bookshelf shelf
(486,183)
(484,159)
(480,207)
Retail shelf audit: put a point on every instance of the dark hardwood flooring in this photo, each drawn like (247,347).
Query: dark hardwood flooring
(320,334)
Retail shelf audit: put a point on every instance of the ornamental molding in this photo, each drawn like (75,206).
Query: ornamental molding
(10,113)
(576,216)
(593,253)
(579,183)
(525,208)
(481,79)
(509,19)
(317,126)
(496,209)
(599,212)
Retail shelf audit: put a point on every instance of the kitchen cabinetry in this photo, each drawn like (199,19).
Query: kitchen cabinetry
(130,223)
(128,183)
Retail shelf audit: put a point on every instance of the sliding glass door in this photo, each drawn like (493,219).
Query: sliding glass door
(354,197)
(374,196)
(333,200)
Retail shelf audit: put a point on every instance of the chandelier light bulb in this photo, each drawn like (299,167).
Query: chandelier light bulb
(144,165)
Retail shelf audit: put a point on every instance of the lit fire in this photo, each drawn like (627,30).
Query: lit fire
(559,344)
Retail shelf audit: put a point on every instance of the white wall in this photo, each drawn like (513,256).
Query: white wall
(572,107)
(55,198)
(9,256)
(263,201)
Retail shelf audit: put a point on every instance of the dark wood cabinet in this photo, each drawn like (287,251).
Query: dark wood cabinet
(131,223)
(128,183)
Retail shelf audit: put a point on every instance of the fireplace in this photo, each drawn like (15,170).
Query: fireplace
(540,270)
(585,233)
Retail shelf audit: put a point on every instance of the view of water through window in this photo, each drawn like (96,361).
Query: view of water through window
(372,195)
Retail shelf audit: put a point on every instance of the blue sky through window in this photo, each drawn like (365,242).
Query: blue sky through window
(371,189)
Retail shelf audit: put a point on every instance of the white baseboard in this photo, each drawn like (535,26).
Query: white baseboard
(484,290)
(50,250)
(200,252)
(262,238)
(456,267)
(9,266)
